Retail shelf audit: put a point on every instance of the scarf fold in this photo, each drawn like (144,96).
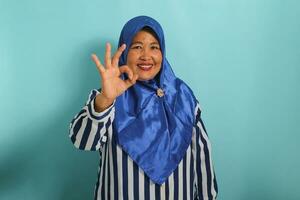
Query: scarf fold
(155,131)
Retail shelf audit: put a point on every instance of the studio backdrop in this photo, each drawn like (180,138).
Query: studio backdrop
(240,57)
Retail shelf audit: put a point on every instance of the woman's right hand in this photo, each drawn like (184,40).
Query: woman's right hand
(112,84)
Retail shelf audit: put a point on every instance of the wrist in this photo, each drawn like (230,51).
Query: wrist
(101,102)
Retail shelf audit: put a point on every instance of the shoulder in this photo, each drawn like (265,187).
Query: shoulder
(184,90)
(186,99)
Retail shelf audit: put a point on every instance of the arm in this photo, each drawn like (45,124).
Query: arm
(88,128)
(206,184)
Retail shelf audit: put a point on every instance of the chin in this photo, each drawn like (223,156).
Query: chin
(144,76)
(144,79)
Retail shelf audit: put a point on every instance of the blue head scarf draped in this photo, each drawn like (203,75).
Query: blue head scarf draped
(154,130)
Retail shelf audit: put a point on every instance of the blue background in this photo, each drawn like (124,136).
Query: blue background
(241,58)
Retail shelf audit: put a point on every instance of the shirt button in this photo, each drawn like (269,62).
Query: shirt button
(104,138)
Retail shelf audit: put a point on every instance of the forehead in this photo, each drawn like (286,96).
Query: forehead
(144,37)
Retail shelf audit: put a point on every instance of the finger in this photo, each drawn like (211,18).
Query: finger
(130,82)
(136,76)
(98,63)
(96,59)
(127,70)
(108,55)
(117,55)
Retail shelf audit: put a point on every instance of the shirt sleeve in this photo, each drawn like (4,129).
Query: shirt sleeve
(88,129)
(205,180)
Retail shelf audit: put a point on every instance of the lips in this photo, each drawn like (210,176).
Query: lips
(145,66)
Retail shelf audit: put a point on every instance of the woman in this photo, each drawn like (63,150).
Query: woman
(146,124)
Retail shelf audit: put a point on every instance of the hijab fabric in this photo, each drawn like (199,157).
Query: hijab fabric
(154,130)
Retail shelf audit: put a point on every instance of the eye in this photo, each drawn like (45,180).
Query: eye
(136,46)
(155,47)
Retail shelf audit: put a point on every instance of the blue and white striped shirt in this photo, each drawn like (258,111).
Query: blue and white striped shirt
(121,178)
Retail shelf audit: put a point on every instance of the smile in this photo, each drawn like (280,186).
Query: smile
(145,67)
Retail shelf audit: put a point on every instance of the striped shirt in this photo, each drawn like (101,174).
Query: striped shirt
(119,177)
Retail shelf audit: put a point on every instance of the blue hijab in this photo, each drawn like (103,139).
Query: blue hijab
(154,130)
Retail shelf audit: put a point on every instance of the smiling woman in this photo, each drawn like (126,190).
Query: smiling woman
(144,57)
(146,123)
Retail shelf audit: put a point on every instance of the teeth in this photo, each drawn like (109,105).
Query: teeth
(145,66)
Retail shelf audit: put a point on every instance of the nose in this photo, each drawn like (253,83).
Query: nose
(145,54)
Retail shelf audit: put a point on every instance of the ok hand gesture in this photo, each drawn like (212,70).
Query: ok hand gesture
(112,84)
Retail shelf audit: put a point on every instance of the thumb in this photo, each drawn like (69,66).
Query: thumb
(132,81)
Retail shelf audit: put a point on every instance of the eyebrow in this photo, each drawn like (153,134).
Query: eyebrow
(138,42)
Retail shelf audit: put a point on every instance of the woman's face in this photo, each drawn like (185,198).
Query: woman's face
(144,56)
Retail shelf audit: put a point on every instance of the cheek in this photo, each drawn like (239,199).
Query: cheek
(131,61)
(130,58)
(158,59)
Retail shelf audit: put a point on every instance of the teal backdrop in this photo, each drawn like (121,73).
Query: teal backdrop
(240,57)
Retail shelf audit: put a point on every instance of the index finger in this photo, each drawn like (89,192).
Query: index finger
(117,55)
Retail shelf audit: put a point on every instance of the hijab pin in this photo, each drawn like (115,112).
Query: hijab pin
(160,92)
